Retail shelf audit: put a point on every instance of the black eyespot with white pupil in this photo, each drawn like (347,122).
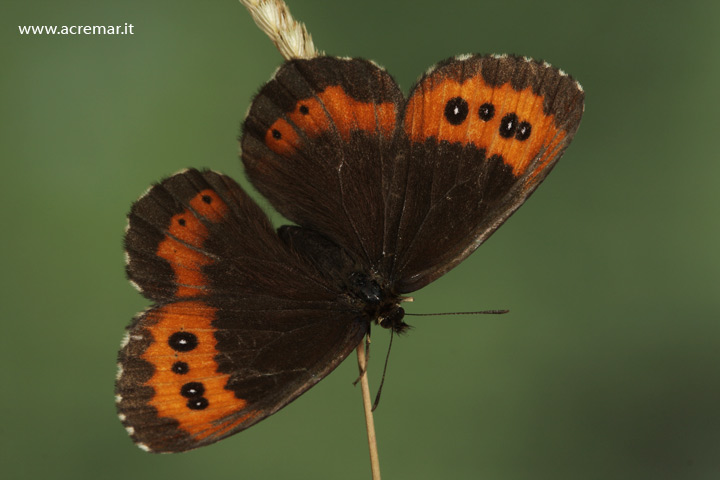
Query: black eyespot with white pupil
(183,341)
(456,110)
(508,125)
(276,134)
(192,389)
(523,131)
(486,112)
(200,403)
(181,368)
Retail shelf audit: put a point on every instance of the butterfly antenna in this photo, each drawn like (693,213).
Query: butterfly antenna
(482,312)
(382,381)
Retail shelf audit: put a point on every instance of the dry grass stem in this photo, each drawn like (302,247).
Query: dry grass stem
(367,405)
(289,36)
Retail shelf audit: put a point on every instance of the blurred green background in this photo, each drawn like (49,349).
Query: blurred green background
(607,366)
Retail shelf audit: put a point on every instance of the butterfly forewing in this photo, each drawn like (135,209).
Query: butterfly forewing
(475,138)
(316,143)
(480,133)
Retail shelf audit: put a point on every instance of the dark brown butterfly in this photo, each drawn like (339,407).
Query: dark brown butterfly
(386,194)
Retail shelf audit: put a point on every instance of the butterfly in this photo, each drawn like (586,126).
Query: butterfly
(386,194)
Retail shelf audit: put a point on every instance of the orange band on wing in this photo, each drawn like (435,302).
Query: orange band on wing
(425,118)
(332,106)
(182,248)
(191,322)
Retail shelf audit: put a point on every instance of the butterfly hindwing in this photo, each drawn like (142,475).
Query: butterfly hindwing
(317,142)
(192,373)
(480,133)
(242,326)
(170,395)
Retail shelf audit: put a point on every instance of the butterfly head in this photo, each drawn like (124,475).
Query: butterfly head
(393,319)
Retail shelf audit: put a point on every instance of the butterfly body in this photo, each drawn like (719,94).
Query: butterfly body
(387,194)
(363,290)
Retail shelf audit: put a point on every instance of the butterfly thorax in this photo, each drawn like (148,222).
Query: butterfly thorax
(379,302)
(364,289)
